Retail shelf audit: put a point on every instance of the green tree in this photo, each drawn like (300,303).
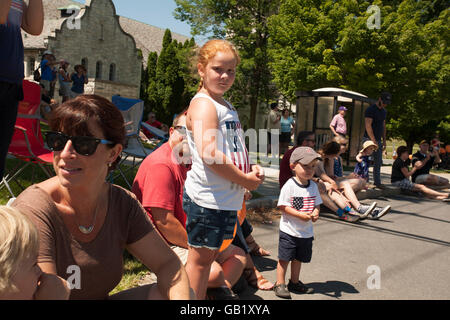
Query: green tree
(150,96)
(168,81)
(328,43)
(244,23)
(186,56)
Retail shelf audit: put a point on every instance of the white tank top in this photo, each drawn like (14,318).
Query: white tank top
(203,185)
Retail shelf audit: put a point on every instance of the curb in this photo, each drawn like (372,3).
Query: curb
(268,202)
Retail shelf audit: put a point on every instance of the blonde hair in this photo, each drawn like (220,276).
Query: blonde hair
(19,240)
(340,139)
(210,49)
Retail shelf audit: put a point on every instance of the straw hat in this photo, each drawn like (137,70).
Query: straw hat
(368,144)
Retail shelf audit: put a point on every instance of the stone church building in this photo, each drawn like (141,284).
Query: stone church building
(111,47)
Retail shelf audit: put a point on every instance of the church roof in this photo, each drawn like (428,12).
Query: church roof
(148,38)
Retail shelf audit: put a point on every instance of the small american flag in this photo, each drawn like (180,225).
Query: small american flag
(303,204)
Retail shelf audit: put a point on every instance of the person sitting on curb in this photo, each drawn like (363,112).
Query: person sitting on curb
(337,170)
(426,158)
(363,159)
(329,152)
(151,120)
(158,185)
(244,240)
(85,223)
(400,176)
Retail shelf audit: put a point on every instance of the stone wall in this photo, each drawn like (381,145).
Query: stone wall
(109,88)
(102,40)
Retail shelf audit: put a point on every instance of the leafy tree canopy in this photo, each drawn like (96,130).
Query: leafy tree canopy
(315,44)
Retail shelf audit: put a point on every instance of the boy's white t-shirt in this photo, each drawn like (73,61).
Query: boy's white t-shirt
(302,198)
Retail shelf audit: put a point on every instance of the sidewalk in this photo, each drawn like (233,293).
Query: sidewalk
(270,189)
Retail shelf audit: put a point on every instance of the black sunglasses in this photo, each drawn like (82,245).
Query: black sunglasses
(85,146)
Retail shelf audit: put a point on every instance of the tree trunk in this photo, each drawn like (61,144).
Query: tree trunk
(409,145)
(253,108)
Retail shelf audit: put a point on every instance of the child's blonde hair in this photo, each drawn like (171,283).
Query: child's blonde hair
(340,139)
(19,240)
(210,49)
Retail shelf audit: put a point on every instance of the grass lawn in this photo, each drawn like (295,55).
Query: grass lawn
(393,144)
(133,272)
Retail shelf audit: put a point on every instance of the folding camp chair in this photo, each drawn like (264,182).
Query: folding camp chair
(132,111)
(158,133)
(27,143)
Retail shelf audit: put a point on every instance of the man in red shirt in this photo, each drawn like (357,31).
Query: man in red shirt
(154,123)
(158,185)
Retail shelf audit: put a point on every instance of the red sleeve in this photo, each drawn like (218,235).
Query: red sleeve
(159,189)
(285,170)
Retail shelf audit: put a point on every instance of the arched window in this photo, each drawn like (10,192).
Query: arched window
(112,72)
(98,70)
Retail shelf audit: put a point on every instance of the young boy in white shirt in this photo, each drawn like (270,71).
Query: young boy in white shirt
(300,204)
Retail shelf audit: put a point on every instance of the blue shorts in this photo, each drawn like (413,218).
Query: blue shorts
(207,228)
(293,248)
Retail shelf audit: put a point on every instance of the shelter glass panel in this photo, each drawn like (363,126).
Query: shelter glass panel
(324,112)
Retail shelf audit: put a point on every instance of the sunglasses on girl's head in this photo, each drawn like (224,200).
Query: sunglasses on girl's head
(85,146)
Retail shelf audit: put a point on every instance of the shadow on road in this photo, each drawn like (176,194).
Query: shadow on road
(265,263)
(332,288)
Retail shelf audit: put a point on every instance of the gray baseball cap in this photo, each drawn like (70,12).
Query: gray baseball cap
(304,155)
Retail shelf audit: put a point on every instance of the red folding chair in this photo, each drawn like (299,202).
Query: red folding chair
(27,143)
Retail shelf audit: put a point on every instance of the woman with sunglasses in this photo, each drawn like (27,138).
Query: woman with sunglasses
(85,222)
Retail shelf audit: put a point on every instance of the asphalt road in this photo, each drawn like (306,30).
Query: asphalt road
(406,255)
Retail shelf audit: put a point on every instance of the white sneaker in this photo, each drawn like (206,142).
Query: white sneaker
(378,212)
(365,210)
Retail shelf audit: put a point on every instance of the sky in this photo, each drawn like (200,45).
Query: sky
(158,13)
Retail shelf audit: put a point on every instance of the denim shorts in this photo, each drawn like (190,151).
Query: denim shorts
(293,248)
(207,228)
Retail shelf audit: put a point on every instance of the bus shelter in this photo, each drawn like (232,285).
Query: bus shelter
(316,108)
